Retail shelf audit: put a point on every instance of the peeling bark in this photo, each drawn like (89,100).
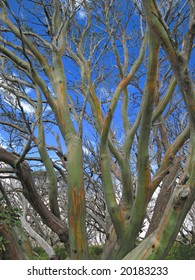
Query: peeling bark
(167,187)
(157,245)
(76,201)
(144,180)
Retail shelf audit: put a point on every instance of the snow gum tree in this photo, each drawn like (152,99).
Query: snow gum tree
(102,94)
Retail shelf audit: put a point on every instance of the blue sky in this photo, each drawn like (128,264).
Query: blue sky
(106,64)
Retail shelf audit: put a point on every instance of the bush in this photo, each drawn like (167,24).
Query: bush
(95,252)
(39,253)
(61,252)
(181,251)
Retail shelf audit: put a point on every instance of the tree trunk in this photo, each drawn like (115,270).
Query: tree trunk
(76,201)
(167,188)
(34,235)
(157,245)
(30,193)
(14,247)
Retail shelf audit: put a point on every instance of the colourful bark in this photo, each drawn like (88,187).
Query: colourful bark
(15,245)
(143,184)
(41,144)
(76,201)
(182,199)
(158,243)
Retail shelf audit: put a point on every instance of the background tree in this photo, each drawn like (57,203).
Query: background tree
(14,243)
(101,93)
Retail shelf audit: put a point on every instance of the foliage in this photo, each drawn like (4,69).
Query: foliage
(61,252)
(2,244)
(10,216)
(181,251)
(95,252)
(39,253)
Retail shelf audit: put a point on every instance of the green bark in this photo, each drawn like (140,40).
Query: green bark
(41,144)
(157,245)
(159,242)
(11,248)
(163,103)
(143,184)
(109,192)
(76,192)
(113,208)
(76,201)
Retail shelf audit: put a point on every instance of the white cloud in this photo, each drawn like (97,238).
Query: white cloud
(28,90)
(11,99)
(86,150)
(82,14)
(79,6)
(27,108)
(81,11)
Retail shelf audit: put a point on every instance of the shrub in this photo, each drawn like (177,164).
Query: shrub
(181,251)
